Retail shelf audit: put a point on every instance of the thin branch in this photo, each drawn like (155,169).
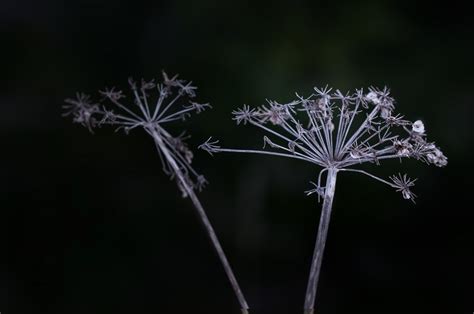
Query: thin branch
(370,175)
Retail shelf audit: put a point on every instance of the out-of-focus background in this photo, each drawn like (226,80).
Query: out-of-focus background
(90,224)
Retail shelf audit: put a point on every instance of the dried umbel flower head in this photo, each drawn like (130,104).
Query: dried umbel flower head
(326,134)
(151,113)
(152,106)
(337,132)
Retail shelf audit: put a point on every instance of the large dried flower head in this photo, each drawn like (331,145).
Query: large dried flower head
(338,131)
(152,106)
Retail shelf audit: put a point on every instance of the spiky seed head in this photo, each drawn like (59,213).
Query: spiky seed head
(149,112)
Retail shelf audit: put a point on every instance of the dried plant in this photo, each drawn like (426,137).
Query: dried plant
(172,103)
(337,131)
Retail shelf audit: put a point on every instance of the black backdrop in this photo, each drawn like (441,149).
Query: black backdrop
(90,224)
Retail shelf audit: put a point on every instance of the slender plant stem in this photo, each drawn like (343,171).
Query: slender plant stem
(320,241)
(205,222)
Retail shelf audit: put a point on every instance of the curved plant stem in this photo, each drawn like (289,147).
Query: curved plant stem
(320,241)
(205,222)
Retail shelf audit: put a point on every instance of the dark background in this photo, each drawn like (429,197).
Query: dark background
(90,224)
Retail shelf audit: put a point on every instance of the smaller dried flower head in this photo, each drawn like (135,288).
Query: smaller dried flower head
(436,157)
(373,98)
(243,115)
(418,127)
(403,185)
(403,148)
(83,111)
(171,102)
